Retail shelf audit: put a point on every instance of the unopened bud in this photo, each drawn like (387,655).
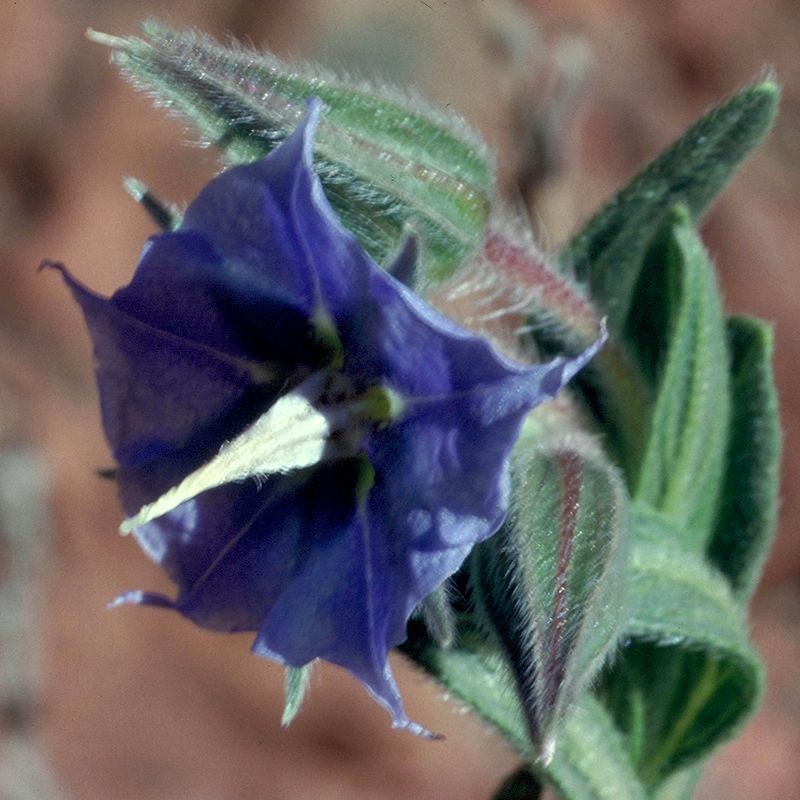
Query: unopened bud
(548,585)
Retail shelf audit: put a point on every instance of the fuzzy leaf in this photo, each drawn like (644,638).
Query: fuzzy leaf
(589,762)
(687,677)
(608,251)
(386,160)
(608,254)
(685,681)
(748,509)
(548,587)
(679,334)
(477,674)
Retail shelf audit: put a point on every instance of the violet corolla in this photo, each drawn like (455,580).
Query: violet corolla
(304,445)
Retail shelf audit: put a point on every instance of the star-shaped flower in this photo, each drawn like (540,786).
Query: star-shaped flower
(305,446)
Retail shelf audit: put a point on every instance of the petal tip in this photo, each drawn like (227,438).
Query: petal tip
(414,728)
(137,597)
(47,263)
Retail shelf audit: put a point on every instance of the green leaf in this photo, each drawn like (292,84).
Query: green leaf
(476,673)
(387,161)
(608,254)
(748,510)
(685,680)
(589,762)
(608,251)
(549,586)
(688,677)
(678,329)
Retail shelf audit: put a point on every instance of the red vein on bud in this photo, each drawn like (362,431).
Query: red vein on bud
(570,471)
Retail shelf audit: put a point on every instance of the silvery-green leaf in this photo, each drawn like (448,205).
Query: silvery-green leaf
(687,677)
(686,680)
(386,159)
(550,586)
(678,334)
(749,504)
(589,762)
(608,251)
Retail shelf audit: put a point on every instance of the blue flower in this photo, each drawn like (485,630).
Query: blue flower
(304,445)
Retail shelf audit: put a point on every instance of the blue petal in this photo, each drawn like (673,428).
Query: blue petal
(186,286)
(217,322)
(156,388)
(271,218)
(299,560)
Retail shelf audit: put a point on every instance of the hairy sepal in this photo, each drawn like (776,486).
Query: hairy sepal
(549,586)
(385,157)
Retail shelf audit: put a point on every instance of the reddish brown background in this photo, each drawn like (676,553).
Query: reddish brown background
(138,704)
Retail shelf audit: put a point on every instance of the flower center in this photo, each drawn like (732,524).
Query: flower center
(321,420)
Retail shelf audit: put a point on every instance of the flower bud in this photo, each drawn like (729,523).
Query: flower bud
(385,158)
(548,585)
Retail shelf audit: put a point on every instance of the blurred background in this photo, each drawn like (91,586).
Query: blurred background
(575,95)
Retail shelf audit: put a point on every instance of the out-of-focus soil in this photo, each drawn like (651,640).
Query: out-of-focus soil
(139,704)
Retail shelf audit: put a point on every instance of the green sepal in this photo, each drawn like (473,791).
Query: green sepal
(166,217)
(513,278)
(749,505)
(297,680)
(549,587)
(386,159)
(607,253)
(687,676)
(677,332)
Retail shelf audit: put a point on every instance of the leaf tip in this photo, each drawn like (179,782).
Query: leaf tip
(767,87)
(765,96)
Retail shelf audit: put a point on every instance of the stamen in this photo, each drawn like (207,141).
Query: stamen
(291,435)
